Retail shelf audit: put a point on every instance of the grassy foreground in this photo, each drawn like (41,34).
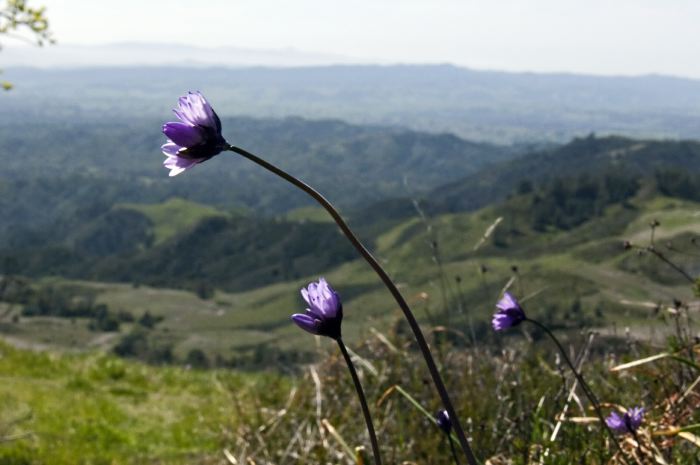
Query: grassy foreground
(68,409)
(517,401)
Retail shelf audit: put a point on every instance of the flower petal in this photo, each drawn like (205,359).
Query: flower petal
(184,134)
(306,323)
(170,148)
(508,301)
(305,295)
(177,165)
(636,416)
(500,322)
(616,423)
(324,314)
(196,110)
(184,117)
(208,110)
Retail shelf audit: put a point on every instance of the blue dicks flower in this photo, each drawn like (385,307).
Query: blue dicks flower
(325,312)
(195,138)
(626,423)
(443,421)
(509,313)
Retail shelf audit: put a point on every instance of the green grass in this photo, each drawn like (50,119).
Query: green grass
(94,408)
(314,214)
(78,408)
(173,216)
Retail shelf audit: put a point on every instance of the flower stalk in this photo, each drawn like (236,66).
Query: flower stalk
(582,382)
(363,402)
(374,264)
(324,317)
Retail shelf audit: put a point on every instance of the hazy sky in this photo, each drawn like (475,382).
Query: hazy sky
(590,36)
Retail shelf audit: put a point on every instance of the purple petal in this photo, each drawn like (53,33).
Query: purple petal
(324,313)
(501,321)
(184,117)
(183,134)
(196,110)
(177,165)
(208,110)
(325,289)
(305,295)
(616,423)
(306,323)
(170,148)
(636,416)
(508,301)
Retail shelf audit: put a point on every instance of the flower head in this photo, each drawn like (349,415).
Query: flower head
(195,138)
(443,421)
(509,313)
(626,423)
(325,312)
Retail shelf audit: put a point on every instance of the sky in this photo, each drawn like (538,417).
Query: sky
(608,37)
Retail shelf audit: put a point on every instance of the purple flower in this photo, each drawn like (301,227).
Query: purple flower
(193,139)
(627,423)
(509,313)
(443,421)
(325,312)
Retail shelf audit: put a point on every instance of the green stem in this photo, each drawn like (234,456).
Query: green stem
(584,386)
(452,449)
(369,258)
(363,402)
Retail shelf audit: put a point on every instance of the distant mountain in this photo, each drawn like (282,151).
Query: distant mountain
(477,105)
(588,156)
(609,166)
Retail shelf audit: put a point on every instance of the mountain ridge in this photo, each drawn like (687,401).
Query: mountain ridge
(477,105)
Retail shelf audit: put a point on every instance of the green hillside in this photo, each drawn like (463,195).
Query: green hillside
(588,156)
(573,277)
(173,216)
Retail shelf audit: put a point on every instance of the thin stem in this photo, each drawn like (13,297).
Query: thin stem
(582,383)
(663,258)
(363,402)
(452,449)
(412,322)
(636,439)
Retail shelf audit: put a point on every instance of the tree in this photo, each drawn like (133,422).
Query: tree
(23,22)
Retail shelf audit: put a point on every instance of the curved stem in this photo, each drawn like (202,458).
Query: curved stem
(363,402)
(582,382)
(412,322)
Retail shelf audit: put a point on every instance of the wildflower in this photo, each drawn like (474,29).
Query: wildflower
(325,312)
(195,138)
(509,313)
(443,421)
(628,422)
